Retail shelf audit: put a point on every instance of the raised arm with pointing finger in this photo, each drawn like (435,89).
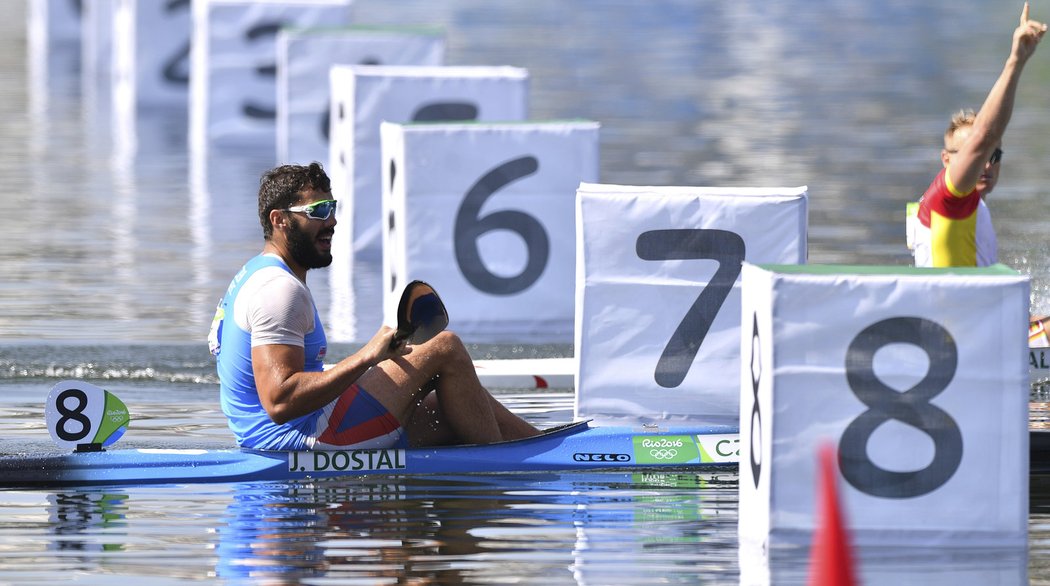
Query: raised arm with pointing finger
(954,226)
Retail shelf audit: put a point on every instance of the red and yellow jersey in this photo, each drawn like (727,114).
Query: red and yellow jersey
(954,229)
(1037,335)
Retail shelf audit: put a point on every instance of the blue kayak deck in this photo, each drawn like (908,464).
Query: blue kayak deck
(572,447)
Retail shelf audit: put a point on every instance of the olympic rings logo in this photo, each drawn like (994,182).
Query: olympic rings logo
(663,454)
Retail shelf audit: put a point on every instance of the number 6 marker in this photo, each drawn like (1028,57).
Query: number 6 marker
(470,226)
(484,212)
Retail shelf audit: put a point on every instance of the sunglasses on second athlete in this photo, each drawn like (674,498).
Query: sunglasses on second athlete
(997,155)
(318,210)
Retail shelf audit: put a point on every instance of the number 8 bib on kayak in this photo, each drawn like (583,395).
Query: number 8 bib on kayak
(80,414)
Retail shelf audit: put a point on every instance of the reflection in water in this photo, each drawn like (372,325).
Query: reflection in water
(892,566)
(78,519)
(1039,408)
(1039,526)
(78,534)
(481,529)
(268,534)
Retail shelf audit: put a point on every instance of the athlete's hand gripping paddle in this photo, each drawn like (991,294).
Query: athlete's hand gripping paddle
(420,315)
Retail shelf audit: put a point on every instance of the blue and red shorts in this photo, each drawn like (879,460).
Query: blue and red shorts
(356,421)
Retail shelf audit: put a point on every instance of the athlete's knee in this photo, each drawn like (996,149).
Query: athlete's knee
(448,341)
(449,348)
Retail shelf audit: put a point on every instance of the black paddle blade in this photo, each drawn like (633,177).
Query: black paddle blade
(420,314)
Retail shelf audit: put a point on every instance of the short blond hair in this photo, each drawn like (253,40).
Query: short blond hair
(961,119)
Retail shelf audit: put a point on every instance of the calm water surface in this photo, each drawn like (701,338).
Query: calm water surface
(112,260)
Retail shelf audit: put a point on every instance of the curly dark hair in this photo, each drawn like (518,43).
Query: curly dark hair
(282,187)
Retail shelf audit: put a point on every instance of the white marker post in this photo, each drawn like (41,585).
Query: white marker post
(52,23)
(53,45)
(304,57)
(151,44)
(233,65)
(484,213)
(96,52)
(917,378)
(658,295)
(364,96)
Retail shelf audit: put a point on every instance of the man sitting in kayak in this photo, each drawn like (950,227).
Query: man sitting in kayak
(271,347)
(953,225)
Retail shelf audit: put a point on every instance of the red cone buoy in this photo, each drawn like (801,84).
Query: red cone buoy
(830,561)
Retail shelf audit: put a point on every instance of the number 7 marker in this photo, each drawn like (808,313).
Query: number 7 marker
(688,244)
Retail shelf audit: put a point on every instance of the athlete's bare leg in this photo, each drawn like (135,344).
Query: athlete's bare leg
(459,410)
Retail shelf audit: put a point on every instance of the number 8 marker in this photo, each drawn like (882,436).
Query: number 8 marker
(78,413)
(911,407)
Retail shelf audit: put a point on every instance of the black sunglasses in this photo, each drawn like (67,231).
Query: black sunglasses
(997,155)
